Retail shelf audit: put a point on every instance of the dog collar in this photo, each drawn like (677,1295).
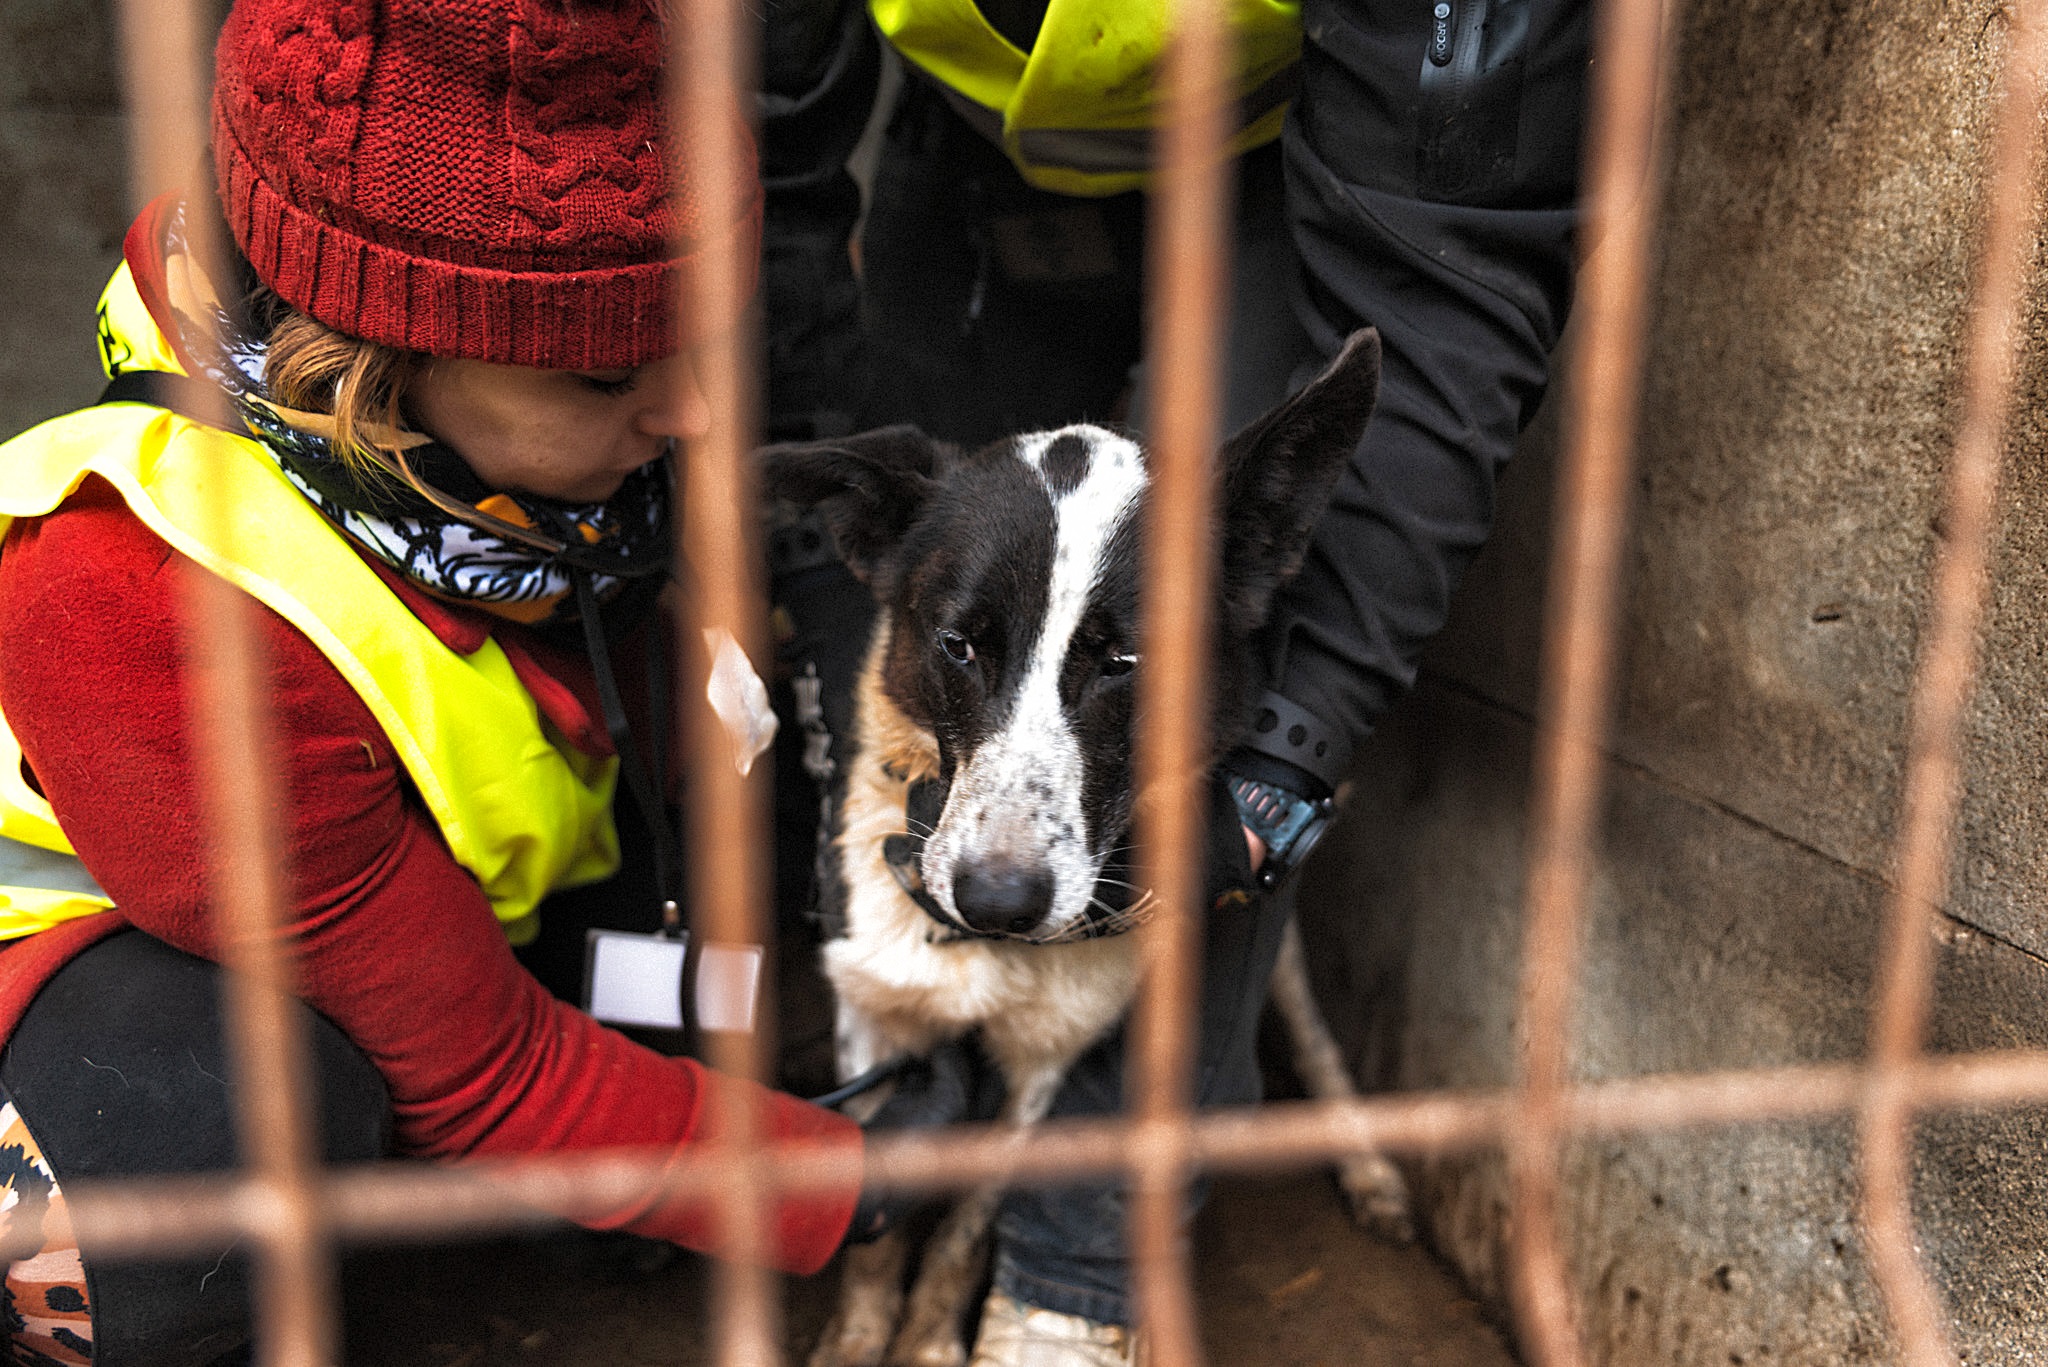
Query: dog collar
(904,854)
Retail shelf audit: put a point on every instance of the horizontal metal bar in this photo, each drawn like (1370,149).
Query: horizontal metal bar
(411,1202)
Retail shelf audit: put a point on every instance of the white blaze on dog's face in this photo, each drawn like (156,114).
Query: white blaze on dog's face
(1014,642)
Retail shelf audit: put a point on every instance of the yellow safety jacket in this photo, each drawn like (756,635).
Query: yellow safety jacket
(1077,112)
(524,813)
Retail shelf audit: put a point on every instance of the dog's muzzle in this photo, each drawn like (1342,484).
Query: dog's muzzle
(997,901)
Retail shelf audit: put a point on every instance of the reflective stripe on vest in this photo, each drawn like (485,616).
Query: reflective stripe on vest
(1076,114)
(523,815)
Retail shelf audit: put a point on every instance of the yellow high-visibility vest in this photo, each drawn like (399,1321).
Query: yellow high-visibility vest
(524,814)
(1077,112)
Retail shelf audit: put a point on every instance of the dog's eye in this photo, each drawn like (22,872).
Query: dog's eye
(958,648)
(1116,666)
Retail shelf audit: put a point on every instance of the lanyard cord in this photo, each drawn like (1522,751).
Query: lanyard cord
(642,780)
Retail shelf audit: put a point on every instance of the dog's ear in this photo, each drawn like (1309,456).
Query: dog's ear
(1277,475)
(869,486)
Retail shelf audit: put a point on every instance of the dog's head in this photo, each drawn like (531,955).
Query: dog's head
(1009,583)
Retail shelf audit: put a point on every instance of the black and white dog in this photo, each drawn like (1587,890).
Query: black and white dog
(1000,678)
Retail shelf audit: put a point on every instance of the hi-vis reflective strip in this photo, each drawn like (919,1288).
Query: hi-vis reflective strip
(40,887)
(41,881)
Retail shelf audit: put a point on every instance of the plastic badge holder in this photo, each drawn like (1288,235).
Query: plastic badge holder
(643,980)
(635,979)
(728,983)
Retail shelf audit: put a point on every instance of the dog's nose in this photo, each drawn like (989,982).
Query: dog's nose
(1002,898)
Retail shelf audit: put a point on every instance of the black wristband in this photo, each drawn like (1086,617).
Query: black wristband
(1292,734)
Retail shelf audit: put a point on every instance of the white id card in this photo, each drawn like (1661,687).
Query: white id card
(633,979)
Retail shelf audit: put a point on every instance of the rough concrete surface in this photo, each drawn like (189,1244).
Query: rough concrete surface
(63,200)
(1800,402)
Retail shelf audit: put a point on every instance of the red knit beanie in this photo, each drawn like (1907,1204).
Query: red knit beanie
(478,178)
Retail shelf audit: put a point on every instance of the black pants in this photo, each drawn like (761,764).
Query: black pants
(119,1069)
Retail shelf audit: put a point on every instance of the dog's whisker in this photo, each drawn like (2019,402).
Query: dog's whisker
(1111,921)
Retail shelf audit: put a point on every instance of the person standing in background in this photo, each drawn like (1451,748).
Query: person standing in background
(1412,165)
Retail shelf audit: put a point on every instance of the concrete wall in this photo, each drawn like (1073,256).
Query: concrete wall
(1801,400)
(63,200)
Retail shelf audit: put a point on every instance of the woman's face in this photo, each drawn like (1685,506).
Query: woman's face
(572,435)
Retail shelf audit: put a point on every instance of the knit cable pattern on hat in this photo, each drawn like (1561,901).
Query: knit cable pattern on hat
(479,178)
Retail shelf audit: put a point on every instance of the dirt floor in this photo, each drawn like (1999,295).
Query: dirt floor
(1284,1280)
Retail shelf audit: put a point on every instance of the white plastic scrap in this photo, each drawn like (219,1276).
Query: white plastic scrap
(740,699)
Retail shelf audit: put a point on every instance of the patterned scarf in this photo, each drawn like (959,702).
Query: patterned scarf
(514,555)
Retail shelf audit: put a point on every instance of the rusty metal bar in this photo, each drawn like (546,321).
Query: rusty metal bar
(409,1202)
(711,71)
(1578,658)
(164,50)
(1189,252)
(1904,993)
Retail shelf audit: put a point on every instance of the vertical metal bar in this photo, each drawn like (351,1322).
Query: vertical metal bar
(1578,658)
(164,49)
(727,810)
(1189,249)
(1904,992)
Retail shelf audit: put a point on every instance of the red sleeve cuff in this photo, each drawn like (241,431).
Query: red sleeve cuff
(805,1228)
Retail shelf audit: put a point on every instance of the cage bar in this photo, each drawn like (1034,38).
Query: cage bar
(1580,626)
(1903,997)
(716,562)
(1188,265)
(164,48)
(140,1215)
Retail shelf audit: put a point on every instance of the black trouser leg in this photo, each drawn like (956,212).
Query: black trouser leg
(992,308)
(119,1069)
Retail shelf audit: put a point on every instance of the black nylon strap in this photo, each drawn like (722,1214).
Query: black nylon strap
(643,780)
(180,394)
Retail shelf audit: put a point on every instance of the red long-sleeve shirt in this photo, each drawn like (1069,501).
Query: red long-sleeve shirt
(389,936)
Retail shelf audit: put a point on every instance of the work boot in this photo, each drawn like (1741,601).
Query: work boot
(1014,1334)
